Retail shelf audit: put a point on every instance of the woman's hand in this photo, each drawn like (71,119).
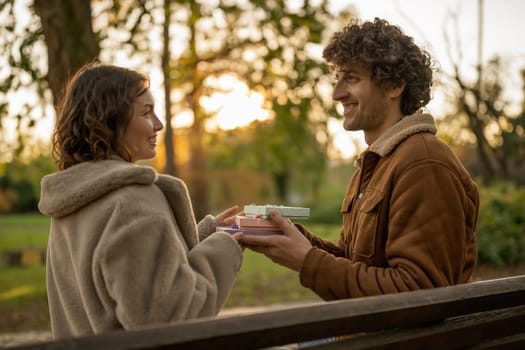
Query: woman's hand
(227,217)
(236,236)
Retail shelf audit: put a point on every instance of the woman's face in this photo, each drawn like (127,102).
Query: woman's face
(140,136)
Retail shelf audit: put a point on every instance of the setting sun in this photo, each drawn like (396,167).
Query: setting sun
(234,105)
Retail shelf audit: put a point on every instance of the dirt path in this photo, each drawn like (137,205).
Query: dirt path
(12,339)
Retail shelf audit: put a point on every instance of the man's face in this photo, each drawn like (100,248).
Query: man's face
(366,104)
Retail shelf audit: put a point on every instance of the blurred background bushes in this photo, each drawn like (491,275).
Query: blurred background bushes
(501,224)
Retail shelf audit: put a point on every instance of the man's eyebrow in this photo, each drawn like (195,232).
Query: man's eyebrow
(350,71)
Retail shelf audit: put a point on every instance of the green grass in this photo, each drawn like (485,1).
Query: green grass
(23,230)
(21,282)
(262,282)
(23,303)
(23,299)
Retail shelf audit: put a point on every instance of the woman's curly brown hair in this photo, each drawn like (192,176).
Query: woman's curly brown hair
(96,108)
(393,58)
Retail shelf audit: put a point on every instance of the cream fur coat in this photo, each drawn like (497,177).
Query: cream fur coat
(124,250)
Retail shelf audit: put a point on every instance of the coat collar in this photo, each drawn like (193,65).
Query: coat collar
(69,190)
(79,185)
(400,131)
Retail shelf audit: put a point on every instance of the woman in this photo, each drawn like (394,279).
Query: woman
(124,249)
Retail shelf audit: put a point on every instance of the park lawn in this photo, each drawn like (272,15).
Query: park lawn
(262,282)
(23,299)
(23,303)
(23,230)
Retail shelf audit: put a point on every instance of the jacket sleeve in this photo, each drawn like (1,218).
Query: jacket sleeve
(150,276)
(320,243)
(426,242)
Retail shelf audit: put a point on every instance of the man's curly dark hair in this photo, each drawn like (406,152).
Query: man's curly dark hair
(393,58)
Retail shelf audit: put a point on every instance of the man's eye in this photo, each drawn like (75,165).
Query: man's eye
(349,78)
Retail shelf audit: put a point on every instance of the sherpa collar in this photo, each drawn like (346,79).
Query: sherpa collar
(401,130)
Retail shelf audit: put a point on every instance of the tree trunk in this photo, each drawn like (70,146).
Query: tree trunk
(169,141)
(281,182)
(476,126)
(198,168)
(523,89)
(483,145)
(198,162)
(69,38)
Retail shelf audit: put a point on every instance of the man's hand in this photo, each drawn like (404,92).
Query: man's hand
(288,249)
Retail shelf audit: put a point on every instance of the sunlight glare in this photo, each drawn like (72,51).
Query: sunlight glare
(348,144)
(234,105)
(17,292)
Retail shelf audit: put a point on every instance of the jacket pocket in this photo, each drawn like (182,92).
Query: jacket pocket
(346,213)
(367,223)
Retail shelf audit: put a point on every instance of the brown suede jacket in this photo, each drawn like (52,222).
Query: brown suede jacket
(409,220)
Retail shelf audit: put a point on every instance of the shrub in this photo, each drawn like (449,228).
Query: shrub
(20,183)
(501,224)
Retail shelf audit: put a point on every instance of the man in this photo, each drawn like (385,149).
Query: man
(410,211)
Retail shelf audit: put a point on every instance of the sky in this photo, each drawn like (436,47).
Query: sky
(427,22)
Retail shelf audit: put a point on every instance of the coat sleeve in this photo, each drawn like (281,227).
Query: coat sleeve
(150,276)
(206,226)
(426,241)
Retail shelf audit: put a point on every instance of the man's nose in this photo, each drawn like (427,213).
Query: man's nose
(339,91)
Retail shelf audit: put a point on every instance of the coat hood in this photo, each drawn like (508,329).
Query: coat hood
(68,190)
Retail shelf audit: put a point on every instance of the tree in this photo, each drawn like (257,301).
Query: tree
(268,45)
(69,38)
(19,43)
(482,111)
(166,72)
(57,40)
(499,144)
(293,79)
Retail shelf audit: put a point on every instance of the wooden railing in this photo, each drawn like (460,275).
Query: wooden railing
(479,315)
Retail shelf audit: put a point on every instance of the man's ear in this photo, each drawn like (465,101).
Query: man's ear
(397,91)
